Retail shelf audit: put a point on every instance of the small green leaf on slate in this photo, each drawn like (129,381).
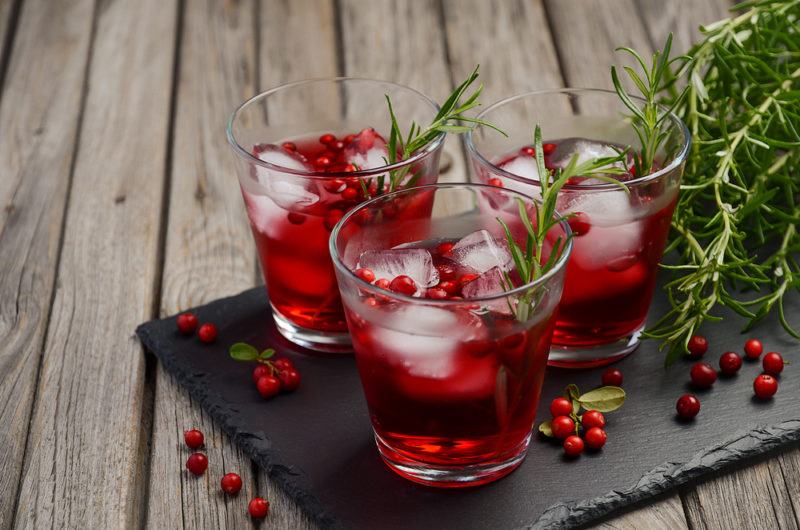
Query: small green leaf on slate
(241,351)
(603,399)
(546,429)
(572,392)
(266,354)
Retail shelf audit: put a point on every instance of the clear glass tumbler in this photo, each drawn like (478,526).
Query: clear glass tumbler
(307,153)
(619,235)
(452,382)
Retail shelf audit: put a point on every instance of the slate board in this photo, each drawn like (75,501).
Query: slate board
(317,443)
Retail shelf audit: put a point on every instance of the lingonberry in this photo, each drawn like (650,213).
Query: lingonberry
(703,375)
(436,293)
(765,386)
(595,438)
(326,139)
(207,333)
(494,181)
(268,386)
(446,271)
(445,248)
(449,287)
(773,363)
(338,145)
(560,406)
(296,218)
(260,371)
(323,161)
(730,362)
(465,279)
(231,483)
(573,445)
(349,168)
(350,194)
(562,426)
(258,508)
(698,346)
(289,146)
(612,377)
(579,224)
(289,379)
(753,348)
(404,285)
(548,148)
(687,406)
(197,463)
(365,274)
(334,185)
(383,283)
(187,323)
(332,218)
(593,418)
(193,438)
(528,150)
(283,363)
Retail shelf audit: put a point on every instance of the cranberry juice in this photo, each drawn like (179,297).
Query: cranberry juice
(292,217)
(447,384)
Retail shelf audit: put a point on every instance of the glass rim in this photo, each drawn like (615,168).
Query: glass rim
(339,264)
(429,148)
(679,158)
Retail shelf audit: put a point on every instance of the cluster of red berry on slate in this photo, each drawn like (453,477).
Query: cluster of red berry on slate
(231,483)
(187,324)
(275,376)
(704,376)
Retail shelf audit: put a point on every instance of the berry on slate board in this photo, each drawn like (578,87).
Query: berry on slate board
(231,483)
(258,508)
(268,386)
(260,371)
(773,363)
(560,406)
(612,377)
(573,445)
(193,438)
(187,323)
(197,463)
(595,438)
(593,418)
(687,406)
(282,364)
(207,333)
(562,426)
(753,348)
(698,346)
(730,363)
(290,379)
(703,375)
(765,386)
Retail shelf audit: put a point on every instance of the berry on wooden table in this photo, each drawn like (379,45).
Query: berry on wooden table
(698,346)
(193,438)
(687,406)
(187,323)
(730,363)
(765,386)
(753,348)
(593,418)
(573,445)
(231,483)
(197,463)
(258,508)
(562,426)
(595,438)
(703,375)
(560,406)
(268,386)
(773,363)
(207,333)
(612,377)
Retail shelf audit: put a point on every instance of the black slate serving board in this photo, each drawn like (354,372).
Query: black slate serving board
(317,442)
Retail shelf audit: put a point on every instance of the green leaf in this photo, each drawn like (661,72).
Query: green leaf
(266,354)
(546,428)
(603,399)
(241,351)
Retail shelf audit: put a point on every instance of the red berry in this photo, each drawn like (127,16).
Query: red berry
(268,386)
(765,386)
(446,271)
(579,223)
(560,406)
(289,379)
(350,194)
(197,463)
(494,181)
(260,371)
(465,279)
(365,274)
(530,151)
(289,146)
(730,362)
(448,287)
(187,323)
(258,508)
(703,375)
(573,445)
(338,145)
(753,348)
(207,333)
(698,346)
(193,438)
(334,185)
(612,377)
(323,161)
(327,139)
(562,426)
(593,418)
(773,363)
(403,285)
(445,248)
(296,218)
(282,364)
(687,406)
(595,438)
(349,168)
(332,218)
(383,283)
(548,148)
(436,293)
(231,483)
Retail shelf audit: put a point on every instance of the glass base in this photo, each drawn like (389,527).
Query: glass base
(440,476)
(594,356)
(322,341)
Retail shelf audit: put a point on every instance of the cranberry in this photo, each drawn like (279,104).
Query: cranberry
(197,463)
(445,248)
(449,287)
(289,146)
(446,271)
(579,223)
(436,293)
(560,406)
(465,279)
(332,218)
(296,218)
(612,377)
(753,348)
(403,285)
(350,194)
(193,438)
(697,346)
(327,139)
(231,483)
(338,145)
(323,161)
(548,148)
(573,445)
(207,333)
(773,363)
(349,168)
(593,418)
(383,283)
(703,375)
(258,508)
(530,151)
(494,181)
(349,138)
(289,379)
(260,371)
(765,386)
(365,274)
(562,426)
(687,406)
(282,364)
(268,386)
(187,323)
(730,362)
(595,438)
(334,185)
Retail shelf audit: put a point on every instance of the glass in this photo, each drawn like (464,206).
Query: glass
(452,384)
(619,237)
(307,153)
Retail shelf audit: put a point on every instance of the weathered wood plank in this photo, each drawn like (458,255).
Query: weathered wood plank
(681,17)
(664,514)
(789,466)
(39,118)
(83,466)
(209,253)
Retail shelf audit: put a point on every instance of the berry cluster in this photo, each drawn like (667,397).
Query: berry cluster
(231,483)
(187,324)
(271,376)
(704,376)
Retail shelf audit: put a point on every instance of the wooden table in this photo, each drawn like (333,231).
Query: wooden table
(119,204)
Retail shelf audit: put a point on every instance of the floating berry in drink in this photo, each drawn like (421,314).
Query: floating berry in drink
(548,148)
(573,445)
(197,463)
(445,248)
(579,224)
(193,438)
(327,139)
(612,377)
(753,348)
(436,293)
(404,285)
(703,375)
(730,363)
(365,274)
(698,346)
(207,333)
(765,386)
(773,363)
(687,406)
(494,181)
(187,323)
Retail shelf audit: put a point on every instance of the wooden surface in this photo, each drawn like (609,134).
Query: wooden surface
(118,204)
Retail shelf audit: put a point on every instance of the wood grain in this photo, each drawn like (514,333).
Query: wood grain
(83,467)
(663,514)
(39,116)
(209,254)
(681,17)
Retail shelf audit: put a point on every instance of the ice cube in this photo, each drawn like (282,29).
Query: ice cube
(585,149)
(481,251)
(490,283)
(523,166)
(289,191)
(367,150)
(415,263)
